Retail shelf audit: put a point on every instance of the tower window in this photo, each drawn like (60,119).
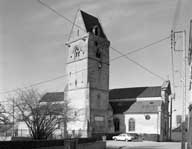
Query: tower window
(98,53)
(75,82)
(96,43)
(96,30)
(98,96)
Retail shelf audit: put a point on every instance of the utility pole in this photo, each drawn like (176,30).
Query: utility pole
(183,78)
(173,94)
(189,145)
(184,91)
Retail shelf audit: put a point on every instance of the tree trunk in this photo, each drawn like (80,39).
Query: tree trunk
(65,135)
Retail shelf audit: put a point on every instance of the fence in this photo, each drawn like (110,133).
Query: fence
(57,134)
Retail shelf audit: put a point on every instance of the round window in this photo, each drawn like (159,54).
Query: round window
(147,117)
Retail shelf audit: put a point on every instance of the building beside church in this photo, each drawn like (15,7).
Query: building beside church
(142,110)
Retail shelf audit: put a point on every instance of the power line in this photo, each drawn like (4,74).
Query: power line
(41,82)
(176,14)
(59,14)
(141,66)
(113,59)
(142,48)
(32,85)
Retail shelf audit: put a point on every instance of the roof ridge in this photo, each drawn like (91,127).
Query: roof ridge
(53,92)
(88,14)
(135,87)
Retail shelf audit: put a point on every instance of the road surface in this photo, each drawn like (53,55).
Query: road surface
(143,145)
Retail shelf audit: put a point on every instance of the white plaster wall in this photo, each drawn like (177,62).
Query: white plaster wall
(79,102)
(77,32)
(142,125)
(77,71)
(23,130)
(149,98)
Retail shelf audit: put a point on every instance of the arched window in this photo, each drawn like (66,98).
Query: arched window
(96,30)
(131,124)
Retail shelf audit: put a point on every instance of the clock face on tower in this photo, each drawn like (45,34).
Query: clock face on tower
(77,50)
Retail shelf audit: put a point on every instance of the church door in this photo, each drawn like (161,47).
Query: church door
(117,125)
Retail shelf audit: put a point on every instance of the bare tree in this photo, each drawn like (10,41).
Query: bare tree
(42,119)
(5,122)
(4,116)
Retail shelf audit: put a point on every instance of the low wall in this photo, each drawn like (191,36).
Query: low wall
(150,137)
(177,136)
(81,143)
(93,145)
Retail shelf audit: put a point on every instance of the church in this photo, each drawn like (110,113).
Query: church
(141,110)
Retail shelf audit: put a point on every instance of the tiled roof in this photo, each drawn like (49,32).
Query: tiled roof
(53,108)
(121,106)
(144,107)
(91,21)
(121,93)
(128,93)
(53,97)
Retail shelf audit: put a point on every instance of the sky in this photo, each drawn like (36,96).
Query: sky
(32,41)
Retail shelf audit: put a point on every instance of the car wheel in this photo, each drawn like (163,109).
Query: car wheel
(126,140)
(115,139)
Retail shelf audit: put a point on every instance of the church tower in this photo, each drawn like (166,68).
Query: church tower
(88,75)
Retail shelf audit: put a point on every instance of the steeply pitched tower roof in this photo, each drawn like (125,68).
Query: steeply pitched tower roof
(85,23)
(90,22)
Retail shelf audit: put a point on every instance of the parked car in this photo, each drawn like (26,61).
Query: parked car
(123,137)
